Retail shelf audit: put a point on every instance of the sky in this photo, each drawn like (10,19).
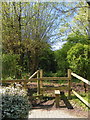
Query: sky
(58,45)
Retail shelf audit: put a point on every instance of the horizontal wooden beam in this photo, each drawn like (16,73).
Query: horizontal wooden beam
(81,78)
(35,79)
(18,80)
(34,74)
(84,101)
(55,88)
(54,78)
(12,81)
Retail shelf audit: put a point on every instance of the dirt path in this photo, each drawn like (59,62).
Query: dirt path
(48,110)
(40,113)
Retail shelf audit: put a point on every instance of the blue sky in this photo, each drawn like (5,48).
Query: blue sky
(58,44)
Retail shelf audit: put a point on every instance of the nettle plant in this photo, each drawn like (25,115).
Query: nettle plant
(15,103)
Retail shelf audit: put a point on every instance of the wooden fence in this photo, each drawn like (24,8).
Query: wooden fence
(40,79)
(75,93)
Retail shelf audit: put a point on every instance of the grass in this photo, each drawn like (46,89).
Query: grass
(79,103)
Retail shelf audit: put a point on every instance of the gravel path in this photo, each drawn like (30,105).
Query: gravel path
(39,113)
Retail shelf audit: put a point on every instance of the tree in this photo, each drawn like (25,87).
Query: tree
(61,58)
(47,61)
(80,21)
(27,30)
(79,12)
(77,37)
(78,59)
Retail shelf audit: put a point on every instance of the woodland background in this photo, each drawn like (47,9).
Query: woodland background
(29,30)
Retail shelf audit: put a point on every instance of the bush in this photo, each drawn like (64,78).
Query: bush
(15,103)
(10,66)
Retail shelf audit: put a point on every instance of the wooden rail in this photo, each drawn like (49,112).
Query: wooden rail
(41,88)
(33,74)
(40,80)
(75,93)
(84,101)
(54,78)
(80,78)
(55,88)
(18,80)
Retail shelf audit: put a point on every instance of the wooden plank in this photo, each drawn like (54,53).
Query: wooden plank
(54,78)
(57,92)
(34,74)
(84,101)
(19,80)
(35,79)
(55,88)
(11,81)
(81,78)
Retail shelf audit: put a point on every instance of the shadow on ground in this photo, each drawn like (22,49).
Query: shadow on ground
(66,101)
(49,102)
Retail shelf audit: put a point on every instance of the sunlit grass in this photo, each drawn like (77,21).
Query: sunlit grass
(79,103)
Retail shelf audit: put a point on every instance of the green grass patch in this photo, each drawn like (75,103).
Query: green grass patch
(79,103)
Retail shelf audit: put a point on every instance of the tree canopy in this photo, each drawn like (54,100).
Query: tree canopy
(29,29)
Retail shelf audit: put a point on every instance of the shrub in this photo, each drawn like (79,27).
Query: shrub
(15,104)
(10,66)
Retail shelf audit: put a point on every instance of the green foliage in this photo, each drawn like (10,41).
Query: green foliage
(29,29)
(79,103)
(15,104)
(78,58)
(47,60)
(60,73)
(80,21)
(10,65)
(61,58)
(77,37)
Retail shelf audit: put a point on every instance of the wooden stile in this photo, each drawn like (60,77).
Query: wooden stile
(40,87)
(57,97)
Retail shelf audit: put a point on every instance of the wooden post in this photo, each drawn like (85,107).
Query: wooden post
(25,84)
(41,82)
(38,84)
(69,83)
(41,75)
(57,94)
